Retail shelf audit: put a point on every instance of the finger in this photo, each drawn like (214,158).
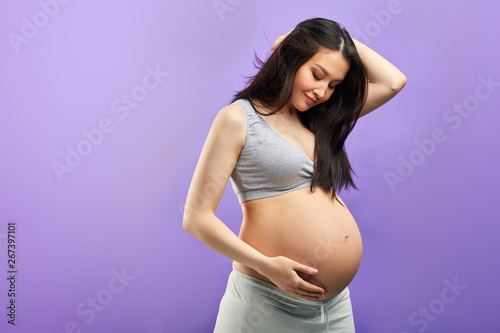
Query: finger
(307,295)
(280,39)
(275,44)
(305,269)
(277,41)
(311,287)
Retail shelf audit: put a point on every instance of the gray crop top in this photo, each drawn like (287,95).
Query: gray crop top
(268,164)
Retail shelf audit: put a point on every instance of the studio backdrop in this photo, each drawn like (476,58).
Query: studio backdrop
(104,109)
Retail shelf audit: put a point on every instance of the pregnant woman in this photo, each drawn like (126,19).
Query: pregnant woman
(281,142)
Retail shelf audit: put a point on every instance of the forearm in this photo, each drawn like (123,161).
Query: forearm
(215,234)
(379,70)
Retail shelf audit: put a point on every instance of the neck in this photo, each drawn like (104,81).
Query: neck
(288,111)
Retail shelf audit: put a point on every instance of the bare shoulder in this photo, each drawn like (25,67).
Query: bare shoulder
(218,159)
(231,123)
(232,115)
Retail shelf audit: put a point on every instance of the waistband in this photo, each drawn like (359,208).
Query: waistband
(268,288)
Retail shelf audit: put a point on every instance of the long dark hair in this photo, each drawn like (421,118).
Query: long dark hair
(332,121)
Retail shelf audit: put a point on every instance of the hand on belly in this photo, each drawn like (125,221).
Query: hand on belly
(284,273)
(305,276)
(308,228)
(337,265)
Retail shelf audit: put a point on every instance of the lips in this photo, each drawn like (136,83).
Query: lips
(310,100)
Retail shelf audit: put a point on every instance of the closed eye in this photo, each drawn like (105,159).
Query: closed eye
(318,79)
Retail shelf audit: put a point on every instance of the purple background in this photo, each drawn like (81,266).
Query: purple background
(120,207)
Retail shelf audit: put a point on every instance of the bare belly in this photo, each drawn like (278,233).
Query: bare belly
(308,227)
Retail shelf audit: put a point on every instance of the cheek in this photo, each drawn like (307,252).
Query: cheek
(329,94)
(302,82)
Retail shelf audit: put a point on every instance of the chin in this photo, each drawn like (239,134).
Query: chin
(307,108)
(302,108)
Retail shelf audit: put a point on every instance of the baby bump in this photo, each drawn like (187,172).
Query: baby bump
(336,258)
(313,230)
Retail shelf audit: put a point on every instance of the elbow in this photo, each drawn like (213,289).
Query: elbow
(189,226)
(187,221)
(192,221)
(398,83)
(185,224)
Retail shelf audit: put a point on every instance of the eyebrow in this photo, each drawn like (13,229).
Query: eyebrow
(324,70)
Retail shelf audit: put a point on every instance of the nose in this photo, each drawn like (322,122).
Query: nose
(320,91)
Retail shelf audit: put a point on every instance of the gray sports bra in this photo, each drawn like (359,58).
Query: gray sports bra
(268,164)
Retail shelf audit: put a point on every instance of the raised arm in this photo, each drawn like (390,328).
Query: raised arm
(385,80)
(217,160)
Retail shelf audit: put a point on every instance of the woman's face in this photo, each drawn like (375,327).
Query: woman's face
(316,79)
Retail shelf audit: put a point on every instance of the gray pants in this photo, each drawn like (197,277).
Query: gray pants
(250,305)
